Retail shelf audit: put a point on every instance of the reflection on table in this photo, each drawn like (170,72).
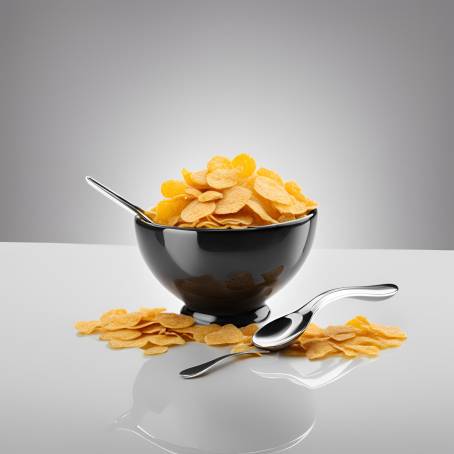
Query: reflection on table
(202,416)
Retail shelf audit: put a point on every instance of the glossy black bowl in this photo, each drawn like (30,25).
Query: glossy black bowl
(225,276)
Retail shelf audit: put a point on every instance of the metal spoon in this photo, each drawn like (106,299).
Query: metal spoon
(119,199)
(282,331)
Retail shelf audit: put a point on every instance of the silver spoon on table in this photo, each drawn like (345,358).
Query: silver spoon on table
(117,198)
(282,331)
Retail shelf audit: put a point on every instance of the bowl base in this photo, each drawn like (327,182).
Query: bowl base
(256,316)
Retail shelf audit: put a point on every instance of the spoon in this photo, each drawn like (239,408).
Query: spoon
(282,331)
(119,199)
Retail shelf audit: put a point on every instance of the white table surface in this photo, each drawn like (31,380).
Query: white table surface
(64,393)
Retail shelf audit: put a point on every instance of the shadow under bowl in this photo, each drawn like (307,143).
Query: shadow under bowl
(225,276)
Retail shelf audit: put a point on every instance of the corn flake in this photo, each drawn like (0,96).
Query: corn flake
(222,178)
(233,201)
(210,196)
(270,174)
(244,164)
(155,350)
(258,209)
(196,210)
(174,321)
(166,339)
(123,321)
(227,334)
(219,162)
(87,327)
(121,334)
(172,188)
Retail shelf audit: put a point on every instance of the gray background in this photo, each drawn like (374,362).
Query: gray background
(353,99)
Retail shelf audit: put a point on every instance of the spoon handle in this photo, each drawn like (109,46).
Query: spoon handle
(117,198)
(201,369)
(372,292)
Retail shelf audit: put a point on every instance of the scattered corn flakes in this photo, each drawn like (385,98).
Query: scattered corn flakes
(121,334)
(155,350)
(227,334)
(170,320)
(122,321)
(154,331)
(88,327)
(249,330)
(166,339)
(109,314)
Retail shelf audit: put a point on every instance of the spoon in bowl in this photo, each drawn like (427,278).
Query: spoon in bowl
(282,331)
(117,198)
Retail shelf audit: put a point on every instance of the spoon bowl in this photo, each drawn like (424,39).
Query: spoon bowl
(282,331)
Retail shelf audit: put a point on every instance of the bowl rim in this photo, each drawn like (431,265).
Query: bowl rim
(295,222)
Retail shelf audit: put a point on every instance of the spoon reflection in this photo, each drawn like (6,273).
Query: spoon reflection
(248,409)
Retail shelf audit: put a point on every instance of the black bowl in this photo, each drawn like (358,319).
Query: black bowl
(225,276)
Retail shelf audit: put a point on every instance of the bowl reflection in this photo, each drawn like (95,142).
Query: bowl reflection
(257,405)
(226,276)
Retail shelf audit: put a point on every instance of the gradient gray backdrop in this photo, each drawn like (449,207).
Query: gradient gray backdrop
(354,99)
